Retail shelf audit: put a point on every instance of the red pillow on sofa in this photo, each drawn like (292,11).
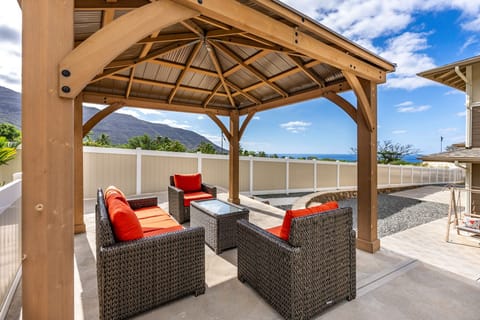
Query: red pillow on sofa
(113,192)
(125,223)
(188,182)
(290,214)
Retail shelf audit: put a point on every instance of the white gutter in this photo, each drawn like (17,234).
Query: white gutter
(468,126)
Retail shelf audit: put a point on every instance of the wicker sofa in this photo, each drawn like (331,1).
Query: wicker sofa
(138,275)
(179,199)
(303,276)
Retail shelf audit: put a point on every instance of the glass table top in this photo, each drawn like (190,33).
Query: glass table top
(218,207)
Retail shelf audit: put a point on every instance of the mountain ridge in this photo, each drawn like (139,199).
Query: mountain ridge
(119,127)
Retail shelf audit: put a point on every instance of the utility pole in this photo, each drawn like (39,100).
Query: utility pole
(441,143)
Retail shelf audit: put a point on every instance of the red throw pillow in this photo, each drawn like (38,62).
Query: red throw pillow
(188,182)
(125,223)
(290,214)
(113,192)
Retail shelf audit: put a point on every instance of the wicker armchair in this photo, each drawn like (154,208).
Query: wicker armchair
(135,276)
(307,274)
(176,205)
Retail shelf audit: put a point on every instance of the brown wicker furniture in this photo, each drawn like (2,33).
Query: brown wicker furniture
(176,201)
(303,276)
(219,218)
(135,276)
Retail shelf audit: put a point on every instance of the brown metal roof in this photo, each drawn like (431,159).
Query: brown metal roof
(461,155)
(183,64)
(446,75)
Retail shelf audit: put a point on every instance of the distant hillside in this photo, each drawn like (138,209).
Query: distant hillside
(119,127)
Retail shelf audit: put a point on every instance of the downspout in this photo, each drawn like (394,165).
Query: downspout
(468,128)
(468,138)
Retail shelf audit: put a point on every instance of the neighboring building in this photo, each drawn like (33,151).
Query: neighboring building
(465,76)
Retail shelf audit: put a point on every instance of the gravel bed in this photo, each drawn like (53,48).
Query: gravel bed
(398,213)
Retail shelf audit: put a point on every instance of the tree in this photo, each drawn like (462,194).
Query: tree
(388,152)
(103,140)
(207,148)
(144,142)
(12,135)
(7,153)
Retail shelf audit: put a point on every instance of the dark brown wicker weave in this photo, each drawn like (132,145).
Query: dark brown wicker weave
(302,277)
(220,229)
(175,201)
(136,276)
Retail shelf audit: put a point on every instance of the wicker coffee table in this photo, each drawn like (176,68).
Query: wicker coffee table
(219,218)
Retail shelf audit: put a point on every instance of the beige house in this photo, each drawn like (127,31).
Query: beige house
(465,76)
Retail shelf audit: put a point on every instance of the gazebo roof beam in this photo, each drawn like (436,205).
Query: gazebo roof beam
(309,73)
(212,94)
(102,4)
(181,66)
(247,61)
(195,28)
(212,22)
(252,21)
(295,98)
(218,67)
(251,69)
(253,44)
(107,16)
(101,98)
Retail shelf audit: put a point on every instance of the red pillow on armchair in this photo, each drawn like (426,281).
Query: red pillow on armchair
(188,182)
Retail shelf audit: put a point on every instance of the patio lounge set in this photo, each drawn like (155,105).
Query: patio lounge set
(146,258)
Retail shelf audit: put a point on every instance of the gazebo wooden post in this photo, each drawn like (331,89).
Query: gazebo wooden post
(48,157)
(367,238)
(78,164)
(234,158)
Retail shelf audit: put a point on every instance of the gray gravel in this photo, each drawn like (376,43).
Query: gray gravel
(398,213)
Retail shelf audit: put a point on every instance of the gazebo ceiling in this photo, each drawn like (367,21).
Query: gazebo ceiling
(206,65)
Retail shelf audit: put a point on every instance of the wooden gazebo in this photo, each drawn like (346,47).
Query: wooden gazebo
(215,57)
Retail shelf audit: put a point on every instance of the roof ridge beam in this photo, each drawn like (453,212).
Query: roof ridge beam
(92,55)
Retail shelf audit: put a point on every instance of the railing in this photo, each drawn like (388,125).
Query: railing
(10,242)
(143,171)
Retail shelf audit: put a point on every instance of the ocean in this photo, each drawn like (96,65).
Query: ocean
(343,157)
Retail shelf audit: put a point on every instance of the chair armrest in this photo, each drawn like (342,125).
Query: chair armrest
(143,203)
(175,204)
(208,188)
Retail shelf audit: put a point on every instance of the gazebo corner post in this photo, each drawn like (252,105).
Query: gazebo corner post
(79,224)
(234,158)
(367,237)
(47,166)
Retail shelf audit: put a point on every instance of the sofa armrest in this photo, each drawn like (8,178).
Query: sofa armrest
(141,274)
(175,204)
(208,188)
(143,203)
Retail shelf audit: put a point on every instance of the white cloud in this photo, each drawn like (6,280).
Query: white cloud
(399,131)
(454,91)
(94,105)
(461,114)
(414,109)
(200,117)
(471,40)
(295,126)
(447,130)
(173,123)
(256,118)
(10,45)
(128,111)
(404,104)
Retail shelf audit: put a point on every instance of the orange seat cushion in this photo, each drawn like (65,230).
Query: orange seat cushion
(125,223)
(290,214)
(275,230)
(188,182)
(188,197)
(155,221)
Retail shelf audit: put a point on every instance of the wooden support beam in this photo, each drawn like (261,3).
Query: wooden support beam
(99,116)
(181,66)
(153,55)
(234,159)
(151,104)
(245,124)
(213,22)
(367,238)
(218,68)
(364,103)
(79,224)
(171,37)
(220,124)
(212,94)
(107,16)
(308,95)
(91,56)
(223,33)
(309,73)
(195,28)
(188,64)
(251,69)
(260,54)
(240,91)
(244,42)
(260,25)
(96,5)
(47,163)
(342,103)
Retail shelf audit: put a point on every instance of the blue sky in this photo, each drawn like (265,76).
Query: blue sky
(417,35)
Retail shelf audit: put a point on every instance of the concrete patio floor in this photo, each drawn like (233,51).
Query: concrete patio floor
(416,275)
